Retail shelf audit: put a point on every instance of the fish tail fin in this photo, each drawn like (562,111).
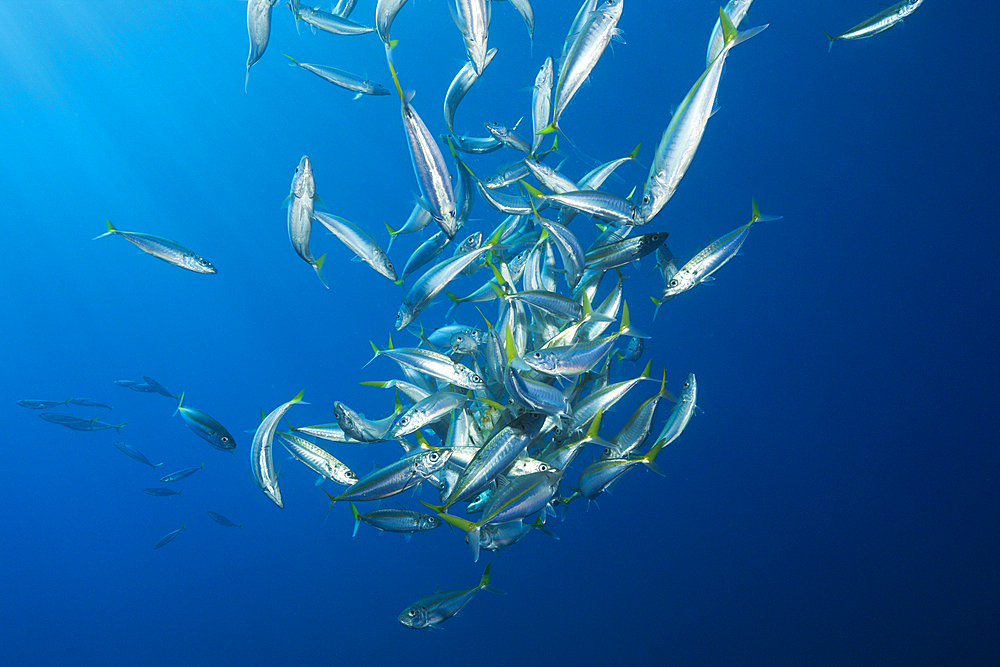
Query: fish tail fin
(118,428)
(332,498)
(111,230)
(389,46)
(757,216)
(734,37)
(157,465)
(484,582)
(377,352)
(551,127)
(294,63)
(180,402)
(357,519)
(539,525)
(437,508)
(658,302)
(831,38)
(318,266)
(650,456)
(246,81)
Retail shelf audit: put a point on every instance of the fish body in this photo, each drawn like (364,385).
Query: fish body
(134,454)
(161,492)
(602,473)
(169,251)
(396,520)
(397,477)
(385,14)
(317,458)
(473,20)
(429,285)
(428,164)
(460,85)
(359,242)
(180,474)
(261,452)
(432,610)
(41,405)
(431,409)
(168,537)
(346,80)
(223,521)
(682,137)
(437,365)
(710,259)
(206,427)
(157,387)
(623,252)
(87,403)
(541,102)
(592,39)
(301,201)
(331,23)
(259,28)
(682,412)
(880,22)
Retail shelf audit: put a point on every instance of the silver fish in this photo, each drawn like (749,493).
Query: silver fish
(360,242)
(223,521)
(169,536)
(346,80)
(169,251)
(206,427)
(259,28)
(180,474)
(460,85)
(880,22)
(432,610)
(261,457)
(134,453)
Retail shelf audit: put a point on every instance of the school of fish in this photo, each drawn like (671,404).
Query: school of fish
(499,414)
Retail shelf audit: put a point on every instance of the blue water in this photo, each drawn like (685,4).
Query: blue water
(836,502)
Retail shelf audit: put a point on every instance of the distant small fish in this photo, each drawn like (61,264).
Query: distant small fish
(40,405)
(180,474)
(134,453)
(880,22)
(78,424)
(136,385)
(223,521)
(169,536)
(88,403)
(160,491)
(156,386)
(59,418)
(169,251)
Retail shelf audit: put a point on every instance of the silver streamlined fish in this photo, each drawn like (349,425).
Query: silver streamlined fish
(346,80)
(682,137)
(432,610)
(880,22)
(261,452)
(300,202)
(169,251)
(259,28)
(206,427)
(360,242)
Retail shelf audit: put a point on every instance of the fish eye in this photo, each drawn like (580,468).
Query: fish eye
(434,456)
(543,468)
(673,283)
(411,613)
(224,439)
(607,451)
(442,485)
(351,475)
(476,378)
(645,199)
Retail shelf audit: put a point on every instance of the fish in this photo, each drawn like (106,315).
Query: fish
(259,28)
(301,201)
(385,14)
(136,385)
(160,491)
(41,405)
(330,23)
(261,460)
(134,453)
(317,459)
(359,242)
(407,472)
(623,252)
(682,137)
(541,103)
(435,279)
(700,268)
(169,251)
(880,22)
(223,521)
(473,21)
(599,27)
(78,424)
(460,85)
(157,387)
(206,427)
(169,536)
(356,84)
(88,403)
(436,193)
(436,608)
(396,520)
(180,474)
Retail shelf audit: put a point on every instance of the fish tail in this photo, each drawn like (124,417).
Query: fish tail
(734,37)
(650,456)
(757,216)
(539,525)
(484,582)
(390,45)
(118,428)
(551,127)
(829,37)
(357,519)
(658,302)
(294,62)
(157,465)
(180,402)
(111,230)
(318,266)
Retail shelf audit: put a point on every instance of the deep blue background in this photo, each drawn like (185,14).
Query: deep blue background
(835,504)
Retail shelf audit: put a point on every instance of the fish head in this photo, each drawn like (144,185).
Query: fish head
(480,501)
(404,316)
(384,266)
(448,476)
(303,184)
(197,263)
(415,617)
(542,360)
(429,522)
(428,463)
